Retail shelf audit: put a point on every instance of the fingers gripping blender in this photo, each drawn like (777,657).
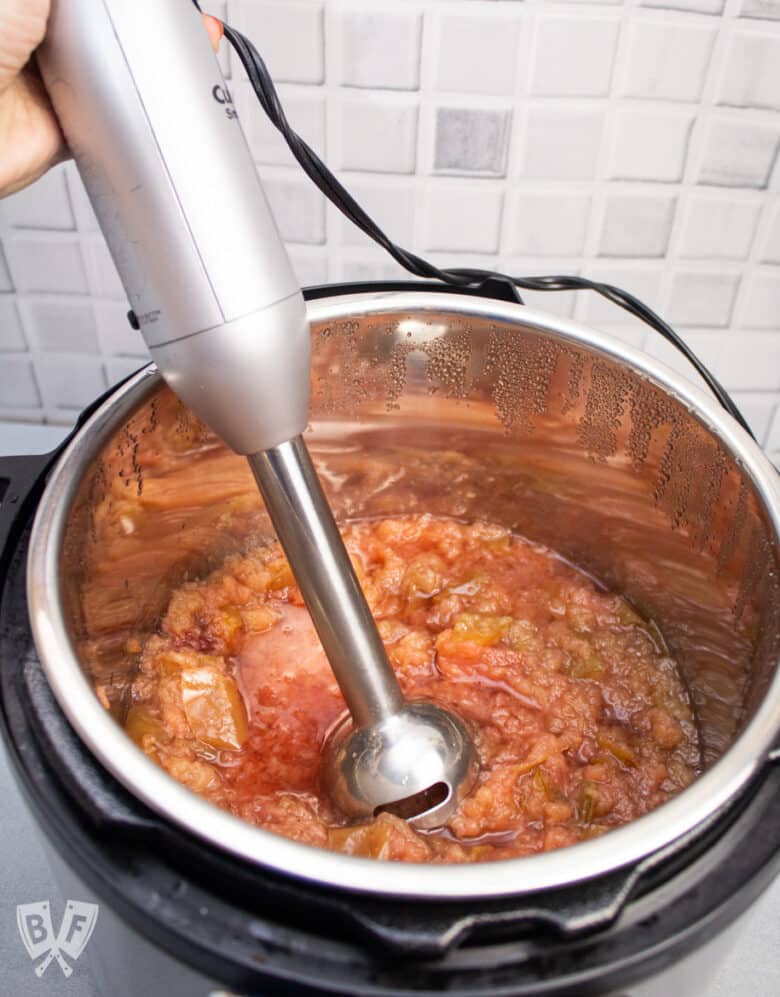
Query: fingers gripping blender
(158,144)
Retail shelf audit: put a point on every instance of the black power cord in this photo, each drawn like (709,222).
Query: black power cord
(318,172)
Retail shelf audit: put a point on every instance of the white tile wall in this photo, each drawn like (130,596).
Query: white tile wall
(752,77)
(635,142)
(79,202)
(573,55)
(547,224)
(738,152)
(380,47)
(116,337)
(102,275)
(46,205)
(759,408)
(761,9)
(378,133)
(751,362)
(288,33)
(707,345)
(650,144)
(773,434)
(667,60)
(641,279)
(762,305)
(118,368)
(698,6)
(305,110)
(714,227)
(6,284)
(390,202)
(60,324)
(771,250)
(46,261)
(560,143)
(18,388)
(702,298)
(637,224)
(69,382)
(11,336)
(299,208)
(461,217)
(477,52)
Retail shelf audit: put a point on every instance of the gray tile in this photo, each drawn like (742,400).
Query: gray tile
(471,140)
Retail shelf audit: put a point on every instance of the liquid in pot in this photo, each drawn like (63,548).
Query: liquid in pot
(581,720)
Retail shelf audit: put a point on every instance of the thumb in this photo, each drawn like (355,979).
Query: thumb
(22,27)
(214,29)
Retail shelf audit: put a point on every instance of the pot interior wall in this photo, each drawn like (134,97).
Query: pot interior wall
(461,416)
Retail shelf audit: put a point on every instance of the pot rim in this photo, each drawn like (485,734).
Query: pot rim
(154,787)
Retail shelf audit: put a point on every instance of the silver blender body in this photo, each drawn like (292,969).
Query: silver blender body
(155,135)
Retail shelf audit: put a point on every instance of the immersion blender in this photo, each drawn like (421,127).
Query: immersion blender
(156,138)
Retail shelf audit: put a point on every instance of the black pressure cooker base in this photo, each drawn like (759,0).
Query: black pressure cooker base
(274,934)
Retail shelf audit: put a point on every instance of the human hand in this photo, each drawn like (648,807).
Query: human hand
(30,137)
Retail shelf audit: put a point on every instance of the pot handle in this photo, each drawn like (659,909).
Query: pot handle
(492,287)
(566,912)
(21,479)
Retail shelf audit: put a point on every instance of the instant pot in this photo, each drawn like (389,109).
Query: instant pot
(548,427)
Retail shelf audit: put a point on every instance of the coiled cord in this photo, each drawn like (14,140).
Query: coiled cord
(318,172)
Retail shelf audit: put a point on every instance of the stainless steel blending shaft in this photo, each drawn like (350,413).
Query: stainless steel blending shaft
(155,135)
(412,758)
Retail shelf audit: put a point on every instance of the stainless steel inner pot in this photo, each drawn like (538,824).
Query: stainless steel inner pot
(450,405)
